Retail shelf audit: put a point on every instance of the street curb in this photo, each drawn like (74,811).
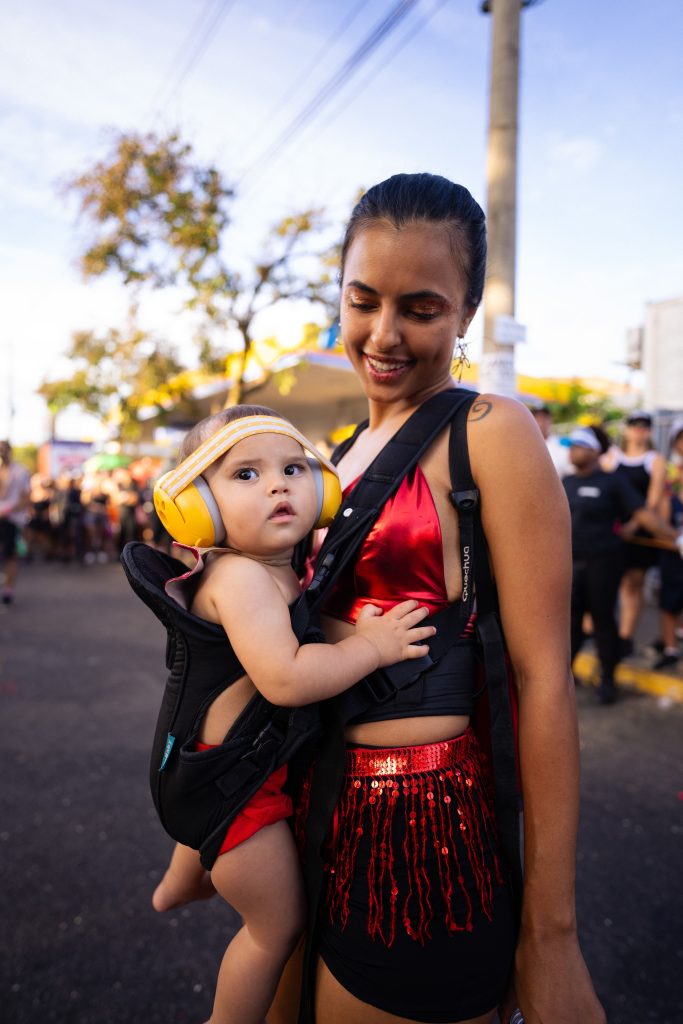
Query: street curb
(587,668)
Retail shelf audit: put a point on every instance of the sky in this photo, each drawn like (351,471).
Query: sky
(600,216)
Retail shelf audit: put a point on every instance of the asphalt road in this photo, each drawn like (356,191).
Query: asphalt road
(81,849)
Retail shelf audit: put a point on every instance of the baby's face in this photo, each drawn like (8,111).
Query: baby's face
(266,494)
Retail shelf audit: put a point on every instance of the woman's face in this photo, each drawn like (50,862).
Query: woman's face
(638,432)
(402,307)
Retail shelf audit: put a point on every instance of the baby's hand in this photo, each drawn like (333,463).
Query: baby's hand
(396,633)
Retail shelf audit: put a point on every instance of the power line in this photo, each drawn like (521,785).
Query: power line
(332,39)
(178,56)
(176,77)
(332,86)
(379,67)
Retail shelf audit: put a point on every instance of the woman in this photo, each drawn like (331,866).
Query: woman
(413,263)
(645,469)
(598,500)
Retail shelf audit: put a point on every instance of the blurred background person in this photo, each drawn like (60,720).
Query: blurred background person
(557,451)
(597,501)
(73,519)
(95,497)
(126,497)
(39,531)
(636,460)
(671,561)
(14,506)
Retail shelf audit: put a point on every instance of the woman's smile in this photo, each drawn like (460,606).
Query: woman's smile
(382,369)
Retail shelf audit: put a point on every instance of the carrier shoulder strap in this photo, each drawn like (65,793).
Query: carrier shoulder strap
(359,511)
(466,499)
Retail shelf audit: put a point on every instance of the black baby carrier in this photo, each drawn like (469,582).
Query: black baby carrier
(198,793)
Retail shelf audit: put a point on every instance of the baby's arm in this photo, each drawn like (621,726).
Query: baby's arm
(255,616)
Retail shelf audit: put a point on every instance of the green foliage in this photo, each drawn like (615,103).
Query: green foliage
(158,219)
(157,216)
(116,374)
(580,405)
(27,455)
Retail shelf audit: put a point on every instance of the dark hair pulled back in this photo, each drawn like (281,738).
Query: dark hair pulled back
(408,198)
(602,436)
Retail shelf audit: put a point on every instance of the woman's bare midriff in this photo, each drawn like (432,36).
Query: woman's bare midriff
(398,732)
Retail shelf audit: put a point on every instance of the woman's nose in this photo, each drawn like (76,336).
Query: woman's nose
(385,334)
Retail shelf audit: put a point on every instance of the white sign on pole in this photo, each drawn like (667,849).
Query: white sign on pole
(507,331)
(497,374)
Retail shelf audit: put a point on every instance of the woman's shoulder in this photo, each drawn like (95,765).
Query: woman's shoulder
(498,414)
(505,443)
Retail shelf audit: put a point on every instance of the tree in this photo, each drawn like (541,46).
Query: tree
(159,219)
(115,372)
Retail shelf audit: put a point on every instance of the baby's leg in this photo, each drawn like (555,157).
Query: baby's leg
(185,880)
(261,879)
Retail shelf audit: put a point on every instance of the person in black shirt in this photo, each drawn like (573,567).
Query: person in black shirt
(599,502)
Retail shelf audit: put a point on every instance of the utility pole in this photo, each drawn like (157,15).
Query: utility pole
(501,332)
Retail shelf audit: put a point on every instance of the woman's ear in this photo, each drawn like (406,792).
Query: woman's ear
(467,319)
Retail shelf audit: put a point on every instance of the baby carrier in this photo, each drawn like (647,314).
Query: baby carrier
(197,794)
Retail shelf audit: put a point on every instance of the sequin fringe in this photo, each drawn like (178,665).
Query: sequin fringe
(442,790)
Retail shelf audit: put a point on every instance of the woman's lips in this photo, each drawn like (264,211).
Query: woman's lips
(386,369)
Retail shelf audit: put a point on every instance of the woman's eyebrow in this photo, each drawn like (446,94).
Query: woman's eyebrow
(363,287)
(425,293)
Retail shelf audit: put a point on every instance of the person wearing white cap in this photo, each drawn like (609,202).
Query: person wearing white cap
(557,451)
(597,500)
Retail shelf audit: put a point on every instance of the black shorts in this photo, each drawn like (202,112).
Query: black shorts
(417,918)
(639,556)
(671,589)
(9,532)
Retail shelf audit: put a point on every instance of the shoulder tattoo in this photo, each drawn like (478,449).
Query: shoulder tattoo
(479,410)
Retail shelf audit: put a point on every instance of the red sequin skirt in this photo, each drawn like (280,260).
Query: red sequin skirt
(417,824)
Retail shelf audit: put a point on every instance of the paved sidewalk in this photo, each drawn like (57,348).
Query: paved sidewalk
(637,672)
(81,677)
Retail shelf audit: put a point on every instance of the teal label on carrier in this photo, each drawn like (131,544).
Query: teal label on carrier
(170,740)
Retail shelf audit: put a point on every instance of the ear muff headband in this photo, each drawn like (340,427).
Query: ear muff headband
(184,501)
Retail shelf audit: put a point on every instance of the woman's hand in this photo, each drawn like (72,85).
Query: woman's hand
(395,634)
(551,983)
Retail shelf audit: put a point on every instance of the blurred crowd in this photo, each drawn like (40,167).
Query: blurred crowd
(88,517)
(626,504)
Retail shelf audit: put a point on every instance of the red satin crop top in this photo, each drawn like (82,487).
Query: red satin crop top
(401,558)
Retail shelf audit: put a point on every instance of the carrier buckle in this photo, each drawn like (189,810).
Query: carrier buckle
(465,501)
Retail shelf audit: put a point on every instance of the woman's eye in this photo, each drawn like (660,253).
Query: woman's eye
(423,314)
(361,305)
(245,474)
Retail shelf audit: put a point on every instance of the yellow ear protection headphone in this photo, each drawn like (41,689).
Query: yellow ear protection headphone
(184,501)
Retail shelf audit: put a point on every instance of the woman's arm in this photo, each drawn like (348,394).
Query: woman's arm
(657,483)
(526,521)
(254,614)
